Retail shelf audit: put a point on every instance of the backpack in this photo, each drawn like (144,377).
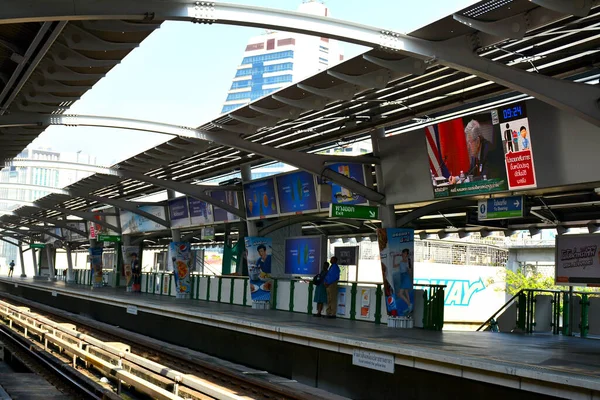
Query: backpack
(317,280)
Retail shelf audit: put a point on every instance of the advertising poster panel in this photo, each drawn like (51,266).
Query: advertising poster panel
(71,236)
(577,260)
(341,195)
(179,213)
(303,255)
(96,229)
(260,199)
(229,197)
(96,265)
(259,255)
(365,303)
(201,213)
(134,223)
(396,250)
(518,149)
(179,262)
(297,193)
(131,267)
(481,153)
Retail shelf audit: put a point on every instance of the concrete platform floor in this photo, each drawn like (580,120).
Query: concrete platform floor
(549,364)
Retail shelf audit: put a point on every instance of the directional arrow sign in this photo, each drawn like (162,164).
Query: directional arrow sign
(500,208)
(353,212)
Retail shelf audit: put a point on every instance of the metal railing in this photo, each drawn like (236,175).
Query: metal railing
(526,306)
(233,289)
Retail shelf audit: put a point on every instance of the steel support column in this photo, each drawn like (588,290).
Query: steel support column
(70,274)
(175,233)
(246,173)
(50,256)
(22,260)
(36,270)
(387,214)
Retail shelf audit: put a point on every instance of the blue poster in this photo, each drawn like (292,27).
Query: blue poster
(260,198)
(201,213)
(297,192)
(303,255)
(96,265)
(228,197)
(178,211)
(396,250)
(179,262)
(259,255)
(341,195)
(135,223)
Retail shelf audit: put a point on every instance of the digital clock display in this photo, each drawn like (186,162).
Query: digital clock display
(514,112)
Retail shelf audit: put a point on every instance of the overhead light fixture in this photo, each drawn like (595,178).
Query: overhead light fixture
(485,233)
(561,230)
(423,235)
(593,228)
(533,231)
(442,235)
(463,234)
(508,232)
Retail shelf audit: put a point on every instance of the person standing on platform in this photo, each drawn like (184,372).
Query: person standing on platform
(331,280)
(136,272)
(320,292)
(11,268)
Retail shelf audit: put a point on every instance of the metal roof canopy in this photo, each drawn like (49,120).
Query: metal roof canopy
(554,44)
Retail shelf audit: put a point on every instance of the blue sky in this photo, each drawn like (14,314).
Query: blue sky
(180,74)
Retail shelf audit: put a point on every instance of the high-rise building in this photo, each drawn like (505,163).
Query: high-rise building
(36,176)
(276,59)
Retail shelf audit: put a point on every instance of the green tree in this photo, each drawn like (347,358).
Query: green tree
(527,277)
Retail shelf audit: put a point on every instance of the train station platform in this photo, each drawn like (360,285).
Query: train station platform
(381,362)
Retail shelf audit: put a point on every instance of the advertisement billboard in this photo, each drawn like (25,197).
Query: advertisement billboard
(297,193)
(481,153)
(304,255)
(259,257)
(577,260)
(96,229)
(132,268)
(96,265)
(71,236)
(179,213)
(180,258)
(260,199)
(201,213)
(228,197)
(396,251)
(134,223)
(341,195)
(518,149)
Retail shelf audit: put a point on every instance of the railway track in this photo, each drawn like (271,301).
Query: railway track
(138,365)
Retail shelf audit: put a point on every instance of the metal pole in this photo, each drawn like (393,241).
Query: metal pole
(571,299)
(36,271)
(22,259)
(50,257)
(246,173)
(70,275)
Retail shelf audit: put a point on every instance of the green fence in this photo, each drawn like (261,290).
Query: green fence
(561,320)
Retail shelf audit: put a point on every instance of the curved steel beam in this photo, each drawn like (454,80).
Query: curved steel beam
(578,99)
(88,216)
(60,165)
(128,206)
(434,208)
(41,188)
(56,222)
(196,191)
(313,163)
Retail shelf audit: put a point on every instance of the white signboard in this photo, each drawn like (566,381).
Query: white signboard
(54,294)
(577,260)
(132,310)
(372,360)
